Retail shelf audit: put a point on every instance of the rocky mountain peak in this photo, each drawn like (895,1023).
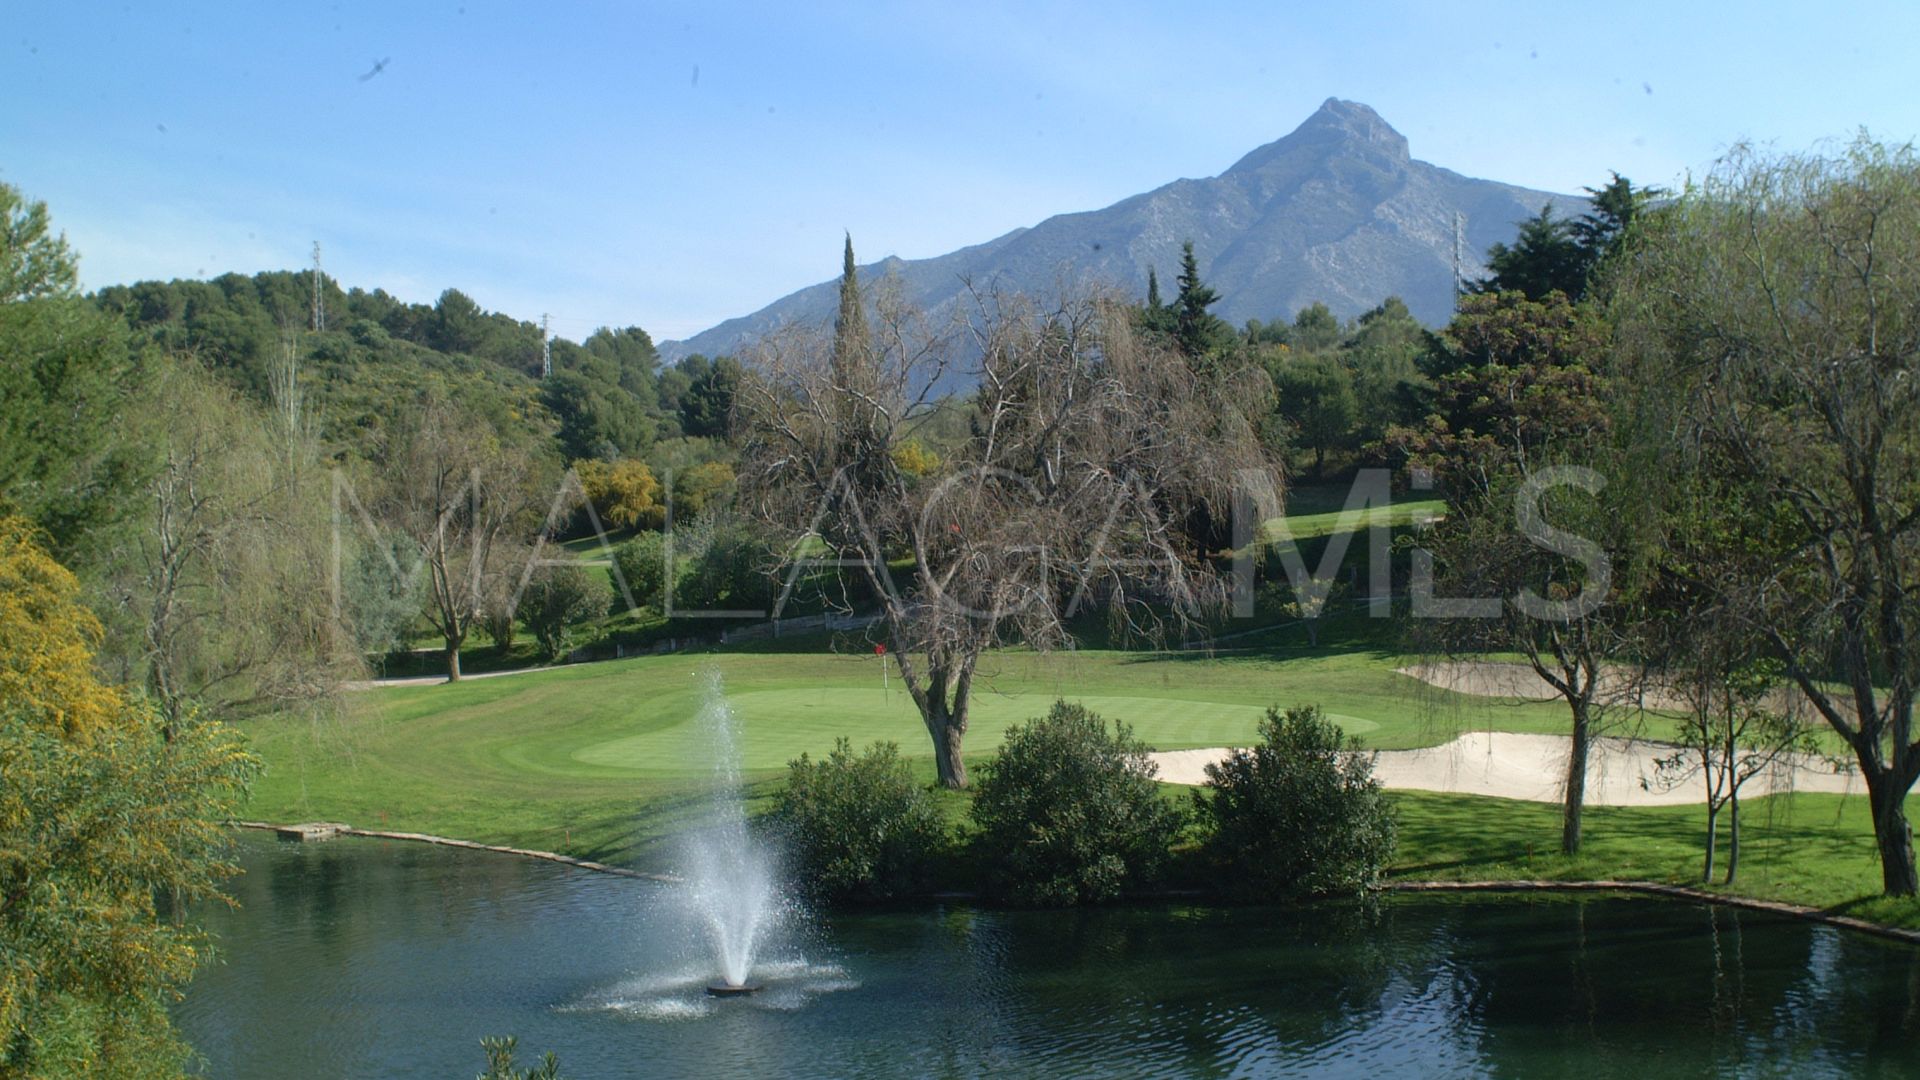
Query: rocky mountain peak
(1335,212)
(1337,128)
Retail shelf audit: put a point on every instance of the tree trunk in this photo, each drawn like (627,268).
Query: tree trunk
(1576,782)
(943,707)
(952,768)
(1706,870)
(946,724)
(453,661)
(1893,833)
(1733,835)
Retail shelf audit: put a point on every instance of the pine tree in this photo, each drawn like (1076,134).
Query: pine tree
(1566,254)
(1601,230)
(1194,329)
(1543,258)
(1155,318)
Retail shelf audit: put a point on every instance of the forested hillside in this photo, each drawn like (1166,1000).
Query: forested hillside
(373,354)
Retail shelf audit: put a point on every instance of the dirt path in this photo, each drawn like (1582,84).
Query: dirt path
(436,680)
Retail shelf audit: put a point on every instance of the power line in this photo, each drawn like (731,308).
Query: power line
(546,349)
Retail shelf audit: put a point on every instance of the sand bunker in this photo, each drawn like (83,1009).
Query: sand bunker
(1492,678)
(1508,765)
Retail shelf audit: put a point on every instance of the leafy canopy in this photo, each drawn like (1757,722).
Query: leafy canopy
(99,814)
(862,826)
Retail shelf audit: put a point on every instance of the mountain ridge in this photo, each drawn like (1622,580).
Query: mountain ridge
(1336,211)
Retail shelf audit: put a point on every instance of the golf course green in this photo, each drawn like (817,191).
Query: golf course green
(604,760)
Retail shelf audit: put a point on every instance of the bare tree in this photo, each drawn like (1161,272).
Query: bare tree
(1088,449)
(1777,306)
(469,501)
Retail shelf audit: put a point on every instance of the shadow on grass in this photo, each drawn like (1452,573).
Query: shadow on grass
(1347,633)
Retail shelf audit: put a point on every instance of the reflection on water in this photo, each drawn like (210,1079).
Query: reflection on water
(364,958)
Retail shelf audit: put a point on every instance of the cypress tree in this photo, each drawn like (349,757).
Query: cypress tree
(850,341)
(1153,290)
(855,380)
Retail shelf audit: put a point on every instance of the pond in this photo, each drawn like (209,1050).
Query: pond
(380,958)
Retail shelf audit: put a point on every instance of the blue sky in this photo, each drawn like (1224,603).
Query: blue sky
(672,165)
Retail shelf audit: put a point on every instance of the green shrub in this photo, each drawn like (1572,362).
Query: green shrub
(861,827)
(556,598)
(732,567)
(1297,815)
(701,486)
(1068,813)
(379,600)
(642,565)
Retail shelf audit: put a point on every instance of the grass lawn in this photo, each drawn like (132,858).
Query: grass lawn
(606,760)
(597,758)
(1302,526)
(1810,849)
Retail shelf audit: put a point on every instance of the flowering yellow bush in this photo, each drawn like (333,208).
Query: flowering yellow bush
(47,641)
(103,807)
(624,493)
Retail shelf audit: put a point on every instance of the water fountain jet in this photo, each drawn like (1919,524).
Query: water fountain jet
(733,886)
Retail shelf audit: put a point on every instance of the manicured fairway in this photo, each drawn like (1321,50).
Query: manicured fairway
(1305,526)
(637,718)
(605,760)
(573,755)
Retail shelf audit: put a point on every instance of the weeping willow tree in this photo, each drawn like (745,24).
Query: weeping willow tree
(1775,312)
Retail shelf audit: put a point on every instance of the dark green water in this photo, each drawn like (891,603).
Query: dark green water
(362,958)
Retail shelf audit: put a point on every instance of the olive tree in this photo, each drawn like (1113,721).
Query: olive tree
(556,599)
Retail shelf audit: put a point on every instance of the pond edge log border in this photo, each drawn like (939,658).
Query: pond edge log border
(447,841)
(1667,891)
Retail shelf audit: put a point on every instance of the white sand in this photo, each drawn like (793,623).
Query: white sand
(1508,765)
(1619,686)
(1482,678)
(1492,678)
